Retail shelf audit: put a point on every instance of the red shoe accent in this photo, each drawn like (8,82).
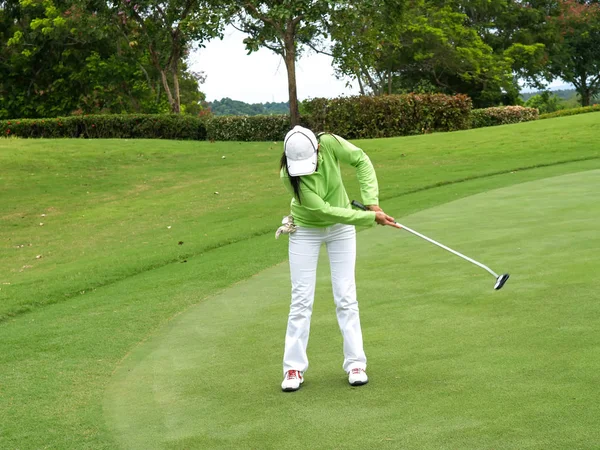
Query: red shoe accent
(292,374)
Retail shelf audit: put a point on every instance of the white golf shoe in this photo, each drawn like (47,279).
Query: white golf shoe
(357,377)
(292,381)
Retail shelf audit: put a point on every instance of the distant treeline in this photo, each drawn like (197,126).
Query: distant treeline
(564,94)
(229,107)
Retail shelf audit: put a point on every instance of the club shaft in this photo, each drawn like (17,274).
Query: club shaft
(364,208)
(448,249)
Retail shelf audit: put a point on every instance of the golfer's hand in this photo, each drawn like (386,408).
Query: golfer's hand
(374,208)
(383,219)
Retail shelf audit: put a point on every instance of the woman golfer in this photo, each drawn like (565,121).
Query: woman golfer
(321,213)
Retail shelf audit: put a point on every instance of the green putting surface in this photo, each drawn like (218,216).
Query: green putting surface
(452,363)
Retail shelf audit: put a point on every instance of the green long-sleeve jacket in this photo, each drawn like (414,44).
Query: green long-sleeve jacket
(324,201)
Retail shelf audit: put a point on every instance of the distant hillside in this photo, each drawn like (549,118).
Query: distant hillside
(229,107)
(565,94)
(568,97)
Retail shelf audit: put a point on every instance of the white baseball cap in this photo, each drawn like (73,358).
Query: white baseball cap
(300,146)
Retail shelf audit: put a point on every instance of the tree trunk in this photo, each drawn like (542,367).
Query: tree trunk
(381,82)
(360,84)
(370,80)
(176,105)
(290,64)
(389,82)
(163,76)
(584,91)
(586,98)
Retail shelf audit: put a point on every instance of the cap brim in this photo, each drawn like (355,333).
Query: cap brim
(304,167)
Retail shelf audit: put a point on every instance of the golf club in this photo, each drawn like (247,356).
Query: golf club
(500,279)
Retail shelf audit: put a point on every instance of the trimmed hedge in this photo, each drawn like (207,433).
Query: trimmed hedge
(389,115)
(571,112)
(147,126)
(247,128)
(159,126)
(352,117)
(502,115)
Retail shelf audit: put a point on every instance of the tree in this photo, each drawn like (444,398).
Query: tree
(446,53)
(59,57)
(59,53)
(576,57)
(392,46)
(9,19)
(367,39)
(168,30)
(545,102)
(284,27)
(193,101)
(514,29)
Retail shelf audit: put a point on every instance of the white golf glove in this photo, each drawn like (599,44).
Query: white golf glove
(287,227)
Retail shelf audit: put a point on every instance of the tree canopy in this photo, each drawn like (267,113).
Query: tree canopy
(79,56)
(575,56)
(60,57)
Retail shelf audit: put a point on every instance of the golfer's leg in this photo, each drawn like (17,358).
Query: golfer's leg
(304,254)
(341,247)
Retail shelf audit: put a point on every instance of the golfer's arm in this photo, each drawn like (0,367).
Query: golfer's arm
(324,211)
(369,188)
(365,172)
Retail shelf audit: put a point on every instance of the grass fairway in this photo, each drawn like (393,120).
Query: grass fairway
(113,286)
(453,363)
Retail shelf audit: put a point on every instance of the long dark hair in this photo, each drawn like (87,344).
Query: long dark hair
(294,181)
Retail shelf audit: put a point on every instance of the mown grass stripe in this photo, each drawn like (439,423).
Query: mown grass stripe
(144,269)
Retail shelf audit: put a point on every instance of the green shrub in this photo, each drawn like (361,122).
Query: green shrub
(131,126)
(389,115)
(247,128)
(545,102)
(502,115)
(571,112)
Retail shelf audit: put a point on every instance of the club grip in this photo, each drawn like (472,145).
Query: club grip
(359,205)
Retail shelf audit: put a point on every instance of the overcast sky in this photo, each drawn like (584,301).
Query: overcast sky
(261,77)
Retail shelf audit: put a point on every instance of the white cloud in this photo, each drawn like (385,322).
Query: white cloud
(261,76)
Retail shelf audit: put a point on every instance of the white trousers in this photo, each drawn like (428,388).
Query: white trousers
(304,248)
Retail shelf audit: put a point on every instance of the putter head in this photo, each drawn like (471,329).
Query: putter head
(500,281)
